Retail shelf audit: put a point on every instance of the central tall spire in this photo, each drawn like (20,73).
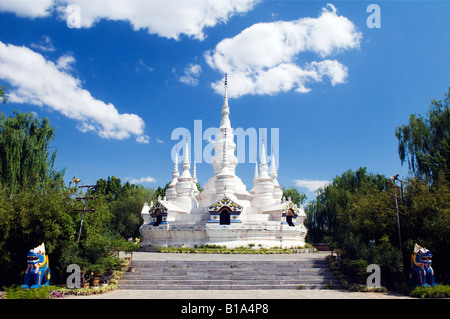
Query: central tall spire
(224,182)
(225,121)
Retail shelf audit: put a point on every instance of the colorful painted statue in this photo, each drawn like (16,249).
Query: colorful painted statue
(38,272)
(421,273)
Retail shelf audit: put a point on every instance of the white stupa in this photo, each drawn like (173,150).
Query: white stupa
(224,213)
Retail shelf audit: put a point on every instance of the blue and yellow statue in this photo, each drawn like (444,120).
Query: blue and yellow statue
(421,273)
(38,272)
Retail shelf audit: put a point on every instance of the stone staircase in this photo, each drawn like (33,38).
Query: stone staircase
(302,271)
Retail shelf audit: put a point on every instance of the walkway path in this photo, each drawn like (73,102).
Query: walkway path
(240,294)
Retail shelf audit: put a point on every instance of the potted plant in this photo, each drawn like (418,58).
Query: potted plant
(84,280)
(96,273)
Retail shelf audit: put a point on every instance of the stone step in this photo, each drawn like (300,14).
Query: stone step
(225,276)
(218,272)
(228,287)
(180,281)
(157,271)
(235,267)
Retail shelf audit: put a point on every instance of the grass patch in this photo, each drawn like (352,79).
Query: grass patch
(16,292)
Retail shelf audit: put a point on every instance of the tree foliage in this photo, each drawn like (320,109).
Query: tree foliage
(327,215)
(425,142)
(36,206)
(25,152)
(27,219)
(354,213)
(425,219)
(3,90)
(293,193)
(125,202)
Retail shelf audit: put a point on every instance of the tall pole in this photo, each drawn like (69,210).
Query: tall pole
(84,210)
(397,210)
(398,219)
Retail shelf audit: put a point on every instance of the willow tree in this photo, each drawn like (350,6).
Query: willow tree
(26,159)
(3,97)
(425,142)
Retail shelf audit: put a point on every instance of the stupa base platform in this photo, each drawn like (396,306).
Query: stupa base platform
(230,236)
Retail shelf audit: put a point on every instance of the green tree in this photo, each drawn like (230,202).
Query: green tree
(25,152)
(3,90)
(328,215)
(113,188)
(127,211)
(425,142)
(425,219)
(161,192)
(293,193)
(36,206)
(28,218)
(125,202)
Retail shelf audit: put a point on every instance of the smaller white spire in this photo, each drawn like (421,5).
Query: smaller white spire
(175,173)
(194,172)
(194,179)
(186,162)
(273,166)
(263,165)
(171,192)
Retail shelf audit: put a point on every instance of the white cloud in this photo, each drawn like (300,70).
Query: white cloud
(160,141)
(265,58)
(191,74)
(45,44)
(28,8)
(144,139)
(142,65)
(310,185)
(64,63)
(141,180)
(167,18)
(38,81)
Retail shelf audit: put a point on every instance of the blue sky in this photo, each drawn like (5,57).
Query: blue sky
(117,78)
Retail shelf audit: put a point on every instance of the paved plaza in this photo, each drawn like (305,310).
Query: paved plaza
(241,294)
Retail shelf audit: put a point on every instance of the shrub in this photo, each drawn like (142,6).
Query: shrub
(441,291)
(16,292)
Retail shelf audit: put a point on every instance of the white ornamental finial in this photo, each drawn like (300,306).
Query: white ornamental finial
(226,83)
(225,121)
